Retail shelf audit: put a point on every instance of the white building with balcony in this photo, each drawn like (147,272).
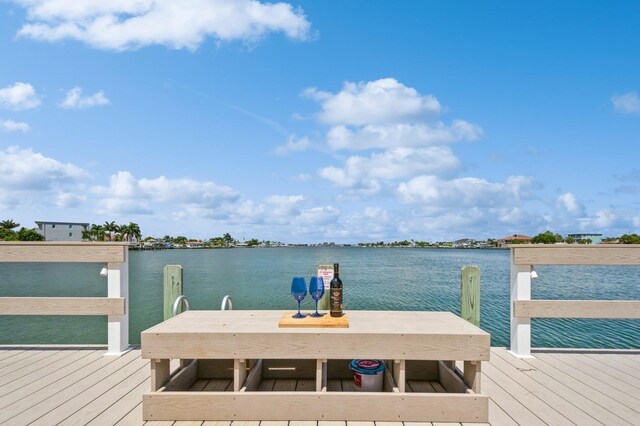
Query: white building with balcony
(61,231)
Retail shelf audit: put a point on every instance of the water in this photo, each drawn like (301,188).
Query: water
(375,279)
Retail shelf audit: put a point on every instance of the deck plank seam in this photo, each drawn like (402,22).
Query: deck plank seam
(608,392)
(84,376)
(500,376)
(577,390)
(143,368)
(35,369)
(566,391)
(625,382)
(96,396)
(508,360)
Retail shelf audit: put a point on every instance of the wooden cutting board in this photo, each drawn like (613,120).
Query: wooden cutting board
(325,321)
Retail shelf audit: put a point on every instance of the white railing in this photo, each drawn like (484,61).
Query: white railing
(523,259)
(115,305)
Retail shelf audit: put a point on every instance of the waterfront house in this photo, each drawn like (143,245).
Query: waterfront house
(595,238)
(61,231)
(514,239)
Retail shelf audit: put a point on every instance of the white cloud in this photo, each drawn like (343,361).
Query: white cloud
(293,145)
(24,169)
(30,178)
(375,102)
(367,173)
(14,126)
(627,103)
(401,135)
(75,100)
(19,96)
(123,24)
(126,194)
(568,203)
(464,192)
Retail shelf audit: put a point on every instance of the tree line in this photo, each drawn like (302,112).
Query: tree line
(7,232)
(549,237)
(111,231)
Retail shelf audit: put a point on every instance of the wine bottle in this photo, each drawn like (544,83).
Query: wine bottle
(335,292)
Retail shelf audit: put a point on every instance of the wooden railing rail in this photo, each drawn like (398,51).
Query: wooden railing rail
(523,259)
(115,305)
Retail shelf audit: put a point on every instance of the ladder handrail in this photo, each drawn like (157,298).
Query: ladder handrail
(226,301)
(176,304)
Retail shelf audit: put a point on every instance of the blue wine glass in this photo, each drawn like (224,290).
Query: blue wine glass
(298,291)
(316,290)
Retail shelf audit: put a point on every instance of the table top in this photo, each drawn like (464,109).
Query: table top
(255,334)
(378,322)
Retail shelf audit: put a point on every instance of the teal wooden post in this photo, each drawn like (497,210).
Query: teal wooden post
(172,287)
(470,294)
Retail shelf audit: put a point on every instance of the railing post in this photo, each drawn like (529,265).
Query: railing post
(118,286)
(520,327)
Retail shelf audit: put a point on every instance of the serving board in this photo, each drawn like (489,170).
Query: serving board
(325,321)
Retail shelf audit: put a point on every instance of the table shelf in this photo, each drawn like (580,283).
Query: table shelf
(296,371)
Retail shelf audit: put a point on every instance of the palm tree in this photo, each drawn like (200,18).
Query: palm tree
(228,239)
(9,224)
(98,232)
(110,227)
(134,231)
(122,232)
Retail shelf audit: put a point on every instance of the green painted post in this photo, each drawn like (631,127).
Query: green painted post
(172,288)
(470,294)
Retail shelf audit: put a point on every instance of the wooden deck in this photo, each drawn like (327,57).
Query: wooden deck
(77,386)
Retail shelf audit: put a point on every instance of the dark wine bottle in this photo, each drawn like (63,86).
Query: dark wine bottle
(335,292)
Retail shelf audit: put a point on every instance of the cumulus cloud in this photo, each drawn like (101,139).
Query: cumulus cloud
(627,103)
(14,126)
(401,135)
(19,96)
(464,192)
(126,194)
(28,177)
(367,173)
(568,203)
(293,145)
(399,126)
(122,24)
(75,100)
(374,102)
(24,169)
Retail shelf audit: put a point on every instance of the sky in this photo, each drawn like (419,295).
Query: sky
(311,121)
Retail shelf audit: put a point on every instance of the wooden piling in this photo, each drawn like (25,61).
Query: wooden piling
(470,294)
(172,288)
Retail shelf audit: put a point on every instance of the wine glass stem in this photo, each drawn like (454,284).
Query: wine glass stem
(317,308)
(298,308)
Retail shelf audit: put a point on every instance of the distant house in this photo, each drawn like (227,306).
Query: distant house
(595,238)
(195,244)
(465,242)
(61,231)
(514,239)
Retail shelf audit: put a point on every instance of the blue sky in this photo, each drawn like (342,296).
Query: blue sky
(307,121)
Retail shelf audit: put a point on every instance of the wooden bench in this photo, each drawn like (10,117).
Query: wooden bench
(239,365)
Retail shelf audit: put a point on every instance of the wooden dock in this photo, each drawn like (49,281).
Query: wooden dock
(79,385)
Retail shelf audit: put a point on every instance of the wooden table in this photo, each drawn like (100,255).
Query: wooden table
(239,365)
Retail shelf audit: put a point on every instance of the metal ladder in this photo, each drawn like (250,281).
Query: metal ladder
(227,304)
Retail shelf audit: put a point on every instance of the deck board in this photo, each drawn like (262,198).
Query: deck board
(82,386)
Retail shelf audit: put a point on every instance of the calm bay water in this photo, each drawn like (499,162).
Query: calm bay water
(375,279)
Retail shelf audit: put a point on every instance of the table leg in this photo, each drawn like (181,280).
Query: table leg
(159,373)
(399,373)
(239,374)
(472,375)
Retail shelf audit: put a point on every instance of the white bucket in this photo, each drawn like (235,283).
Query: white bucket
(367,374)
